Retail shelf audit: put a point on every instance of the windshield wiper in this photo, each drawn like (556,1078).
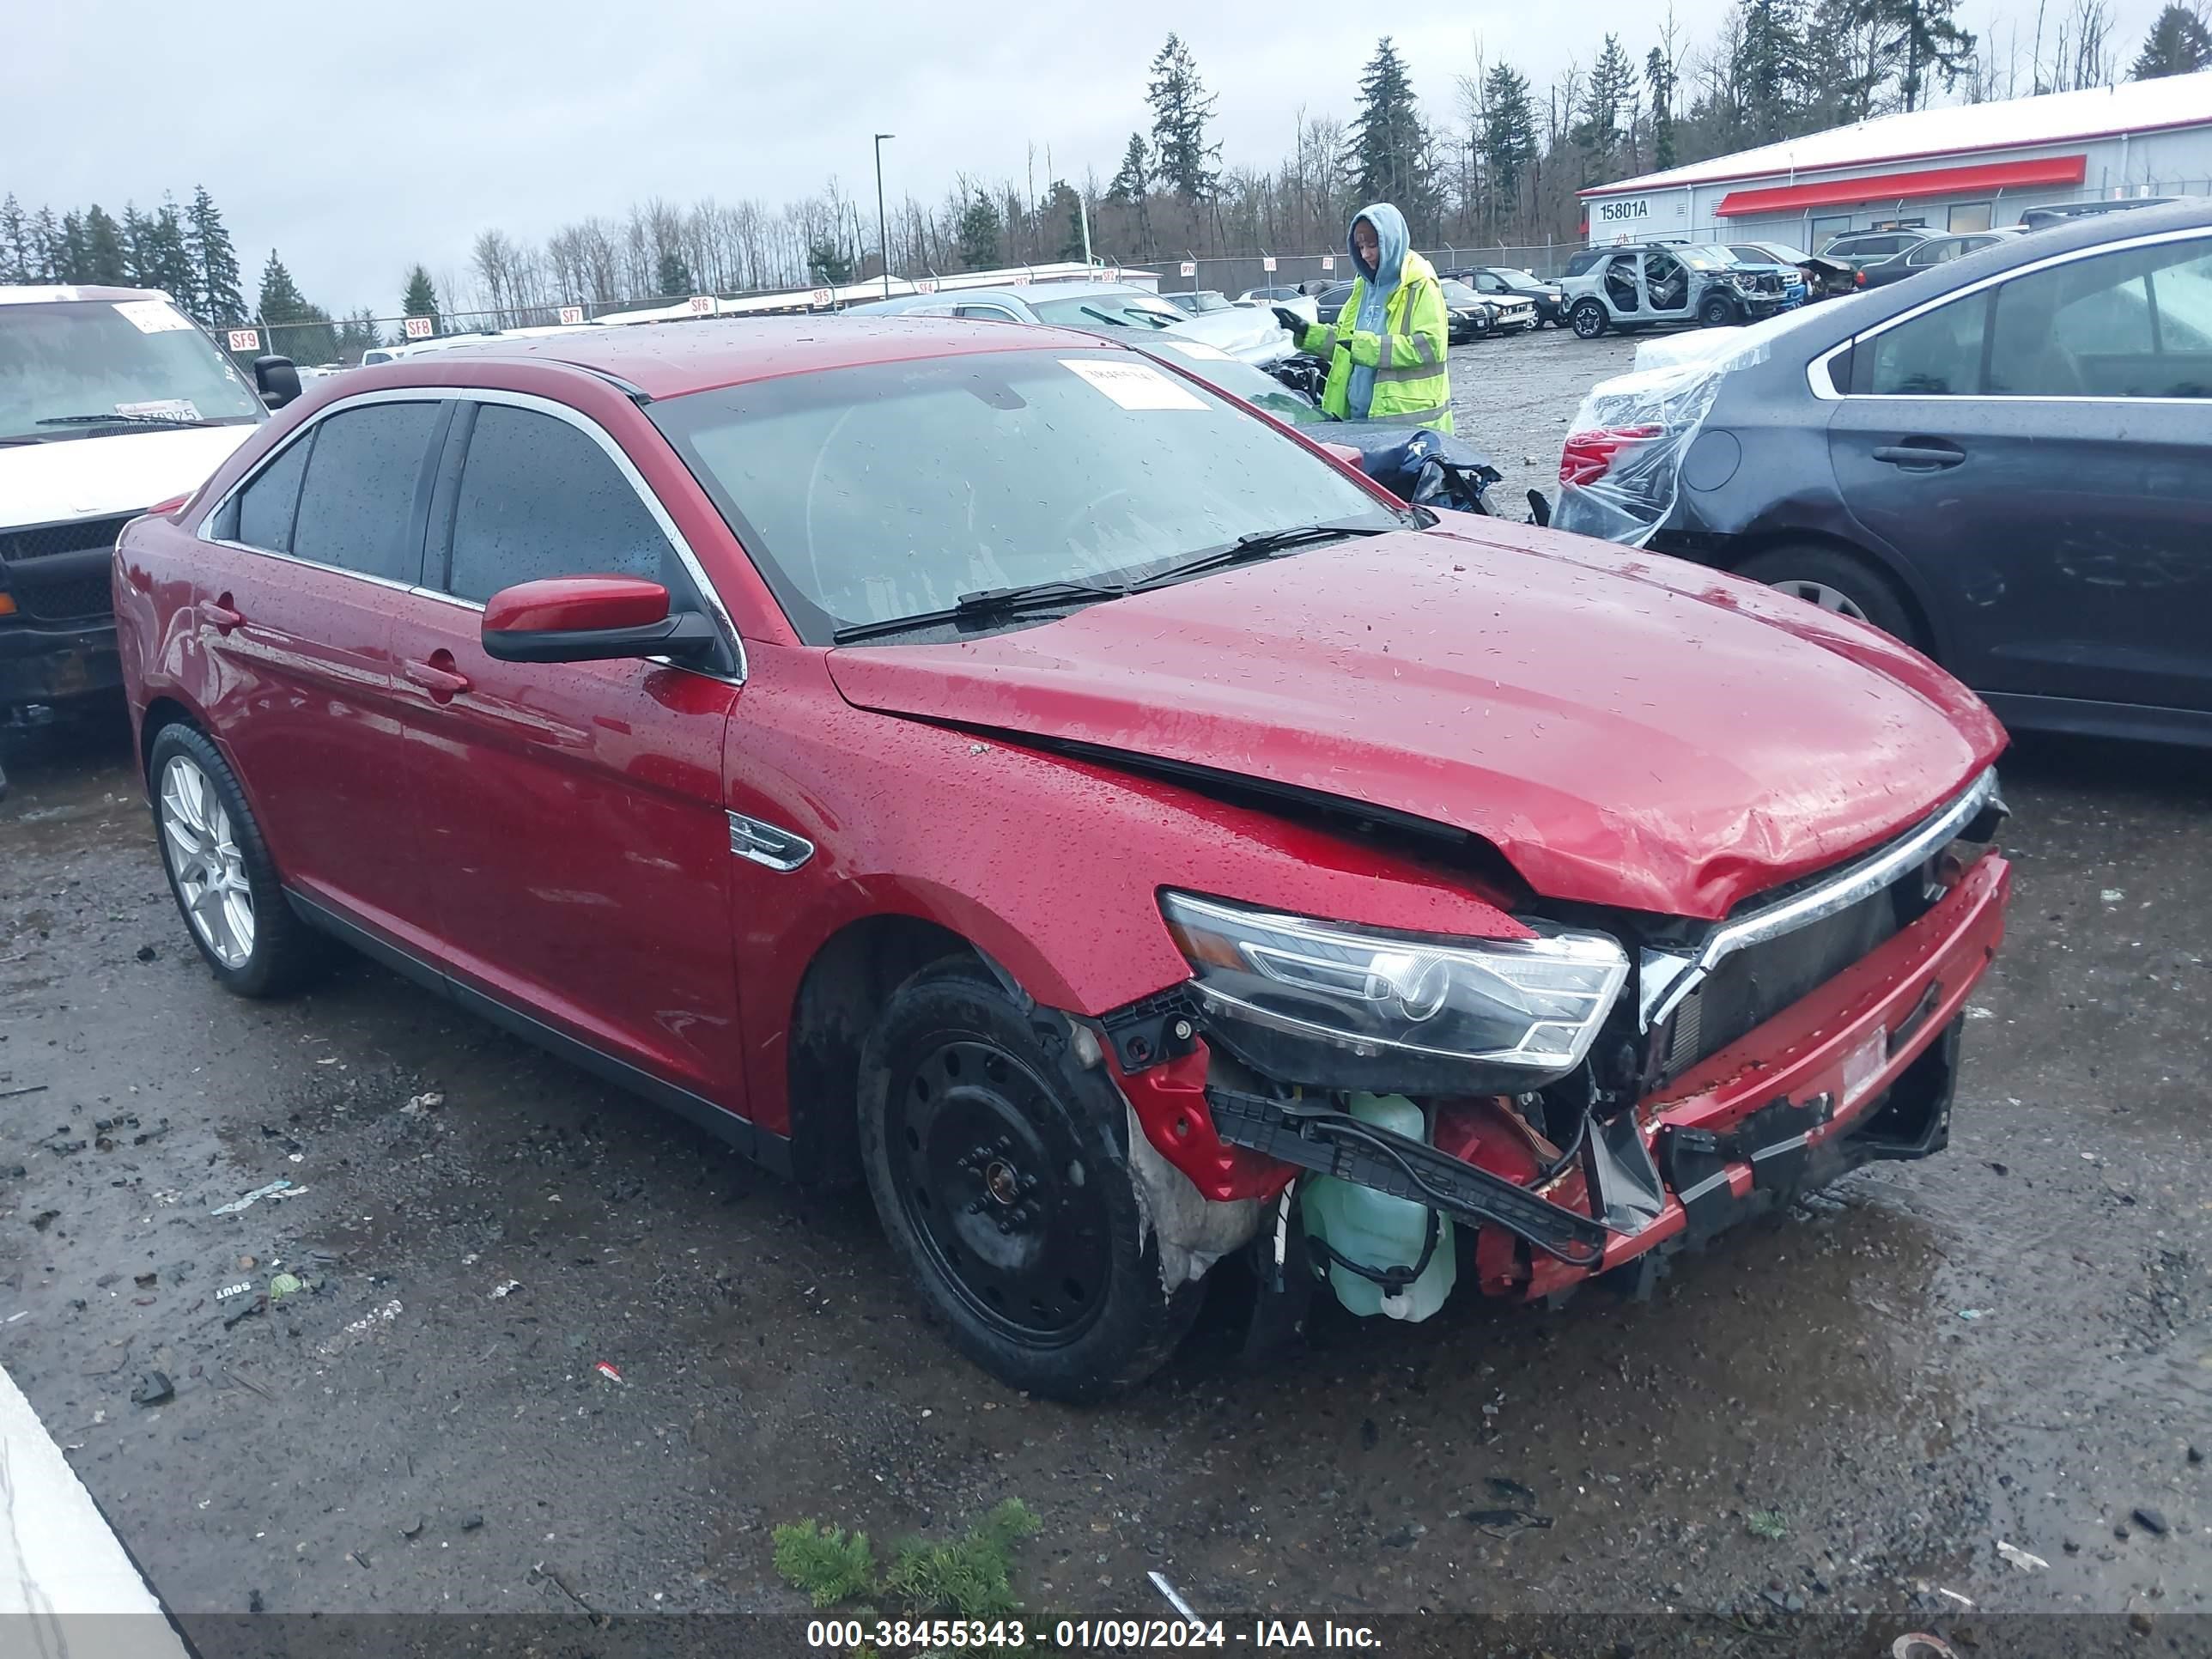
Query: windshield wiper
(989,602)
(1260,544)
(122,420)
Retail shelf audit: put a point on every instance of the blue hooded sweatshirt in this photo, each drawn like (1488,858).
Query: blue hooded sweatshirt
(1390,243)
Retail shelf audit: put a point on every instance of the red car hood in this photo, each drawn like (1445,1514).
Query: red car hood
(1625,729)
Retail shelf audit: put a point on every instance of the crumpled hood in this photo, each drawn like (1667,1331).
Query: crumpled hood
(1245,333)
(1625,729)
(99,477)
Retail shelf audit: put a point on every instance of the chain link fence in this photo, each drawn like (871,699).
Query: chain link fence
(1235,274)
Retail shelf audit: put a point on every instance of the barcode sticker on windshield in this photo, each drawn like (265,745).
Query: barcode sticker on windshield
(162,408)
(1134,386)
(152,316)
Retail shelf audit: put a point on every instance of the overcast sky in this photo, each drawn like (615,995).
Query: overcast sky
(328,135)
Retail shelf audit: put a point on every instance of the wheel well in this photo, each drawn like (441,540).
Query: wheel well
(845,988)
(161,712)
(1745,548)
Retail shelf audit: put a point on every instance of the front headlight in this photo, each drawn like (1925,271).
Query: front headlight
(1532,1006)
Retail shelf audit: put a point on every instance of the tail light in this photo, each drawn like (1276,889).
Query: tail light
(1858,279)
(1588,456)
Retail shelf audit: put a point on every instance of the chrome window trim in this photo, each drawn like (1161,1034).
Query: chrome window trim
(1668,977)
(1817,375)
(561,412)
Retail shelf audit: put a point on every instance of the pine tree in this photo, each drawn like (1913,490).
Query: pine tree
(222,303)
(1132,187)
(1067,207)
(357,334)
(2179,43)
(72,263)
(46,247)
(1770,66)
(296,329)
(1659,76)
(1612,86)
(979,232)
(1917,41)
(280,299)
(15,255)
(1389,145)
(421,298)
(168,259)
(827,262)
(132,233)
(1180,109)
(104,259)
(671,273)
(1508,138)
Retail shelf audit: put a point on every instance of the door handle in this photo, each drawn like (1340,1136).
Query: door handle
(1921,457)
(218,615)
(440,681)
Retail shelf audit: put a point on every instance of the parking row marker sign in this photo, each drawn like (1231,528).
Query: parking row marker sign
(245,340)
(700,305)
(418,328)
(571,315)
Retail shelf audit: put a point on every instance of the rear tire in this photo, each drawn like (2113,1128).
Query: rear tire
(1005,1190)
(1843,583)
(220,870)
(1588,319)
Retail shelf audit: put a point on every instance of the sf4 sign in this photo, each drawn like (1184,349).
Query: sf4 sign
(571,315)
(700,305)
(245,340)
(417,328)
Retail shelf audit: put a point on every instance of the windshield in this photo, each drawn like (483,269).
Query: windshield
(893,490)
(1703,258)
(1236,377)
(1115,310)
(1457,292)
(136,361)
(1202,301)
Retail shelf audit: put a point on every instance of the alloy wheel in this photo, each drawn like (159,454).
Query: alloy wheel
(990,1175)
(1827,598)
(199,844)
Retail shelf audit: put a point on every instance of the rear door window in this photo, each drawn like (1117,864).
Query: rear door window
(540,498)
(1936,354)
(262,515)
(357,501)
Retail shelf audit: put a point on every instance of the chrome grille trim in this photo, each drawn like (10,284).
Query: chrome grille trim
(1668,977)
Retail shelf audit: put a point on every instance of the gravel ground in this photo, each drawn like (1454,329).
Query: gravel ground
(2012,1342)
(1513,397)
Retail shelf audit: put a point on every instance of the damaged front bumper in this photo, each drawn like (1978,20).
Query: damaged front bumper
(1861,1068)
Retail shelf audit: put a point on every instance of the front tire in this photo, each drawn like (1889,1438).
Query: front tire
(220,870)
(1004,1186)
(1716,313)
(1589,319)
(1837,582)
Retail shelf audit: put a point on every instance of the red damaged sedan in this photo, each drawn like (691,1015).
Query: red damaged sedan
(986,762)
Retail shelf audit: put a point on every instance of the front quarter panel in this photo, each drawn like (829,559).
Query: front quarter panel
(1049,864)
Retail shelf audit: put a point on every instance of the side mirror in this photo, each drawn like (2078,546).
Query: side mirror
(591,619)
(277,381)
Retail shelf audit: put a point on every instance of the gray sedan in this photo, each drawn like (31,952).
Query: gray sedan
(2005,460)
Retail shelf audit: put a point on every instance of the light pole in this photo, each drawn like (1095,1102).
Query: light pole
(883,237)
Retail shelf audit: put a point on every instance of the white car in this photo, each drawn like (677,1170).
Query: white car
(1289,298)
(112,400)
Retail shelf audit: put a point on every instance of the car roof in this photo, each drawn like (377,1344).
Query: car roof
(61,293)
(668,360)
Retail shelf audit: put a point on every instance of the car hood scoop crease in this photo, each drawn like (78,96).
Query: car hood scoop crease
(1627,730)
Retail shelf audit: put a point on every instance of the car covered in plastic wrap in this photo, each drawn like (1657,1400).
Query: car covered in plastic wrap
(2003,459)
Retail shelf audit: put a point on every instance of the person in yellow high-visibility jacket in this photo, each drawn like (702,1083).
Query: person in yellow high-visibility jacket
(1386,349)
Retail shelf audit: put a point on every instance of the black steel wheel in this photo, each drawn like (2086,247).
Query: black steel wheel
(1002,1178)
(1716,312)
(995,1185)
